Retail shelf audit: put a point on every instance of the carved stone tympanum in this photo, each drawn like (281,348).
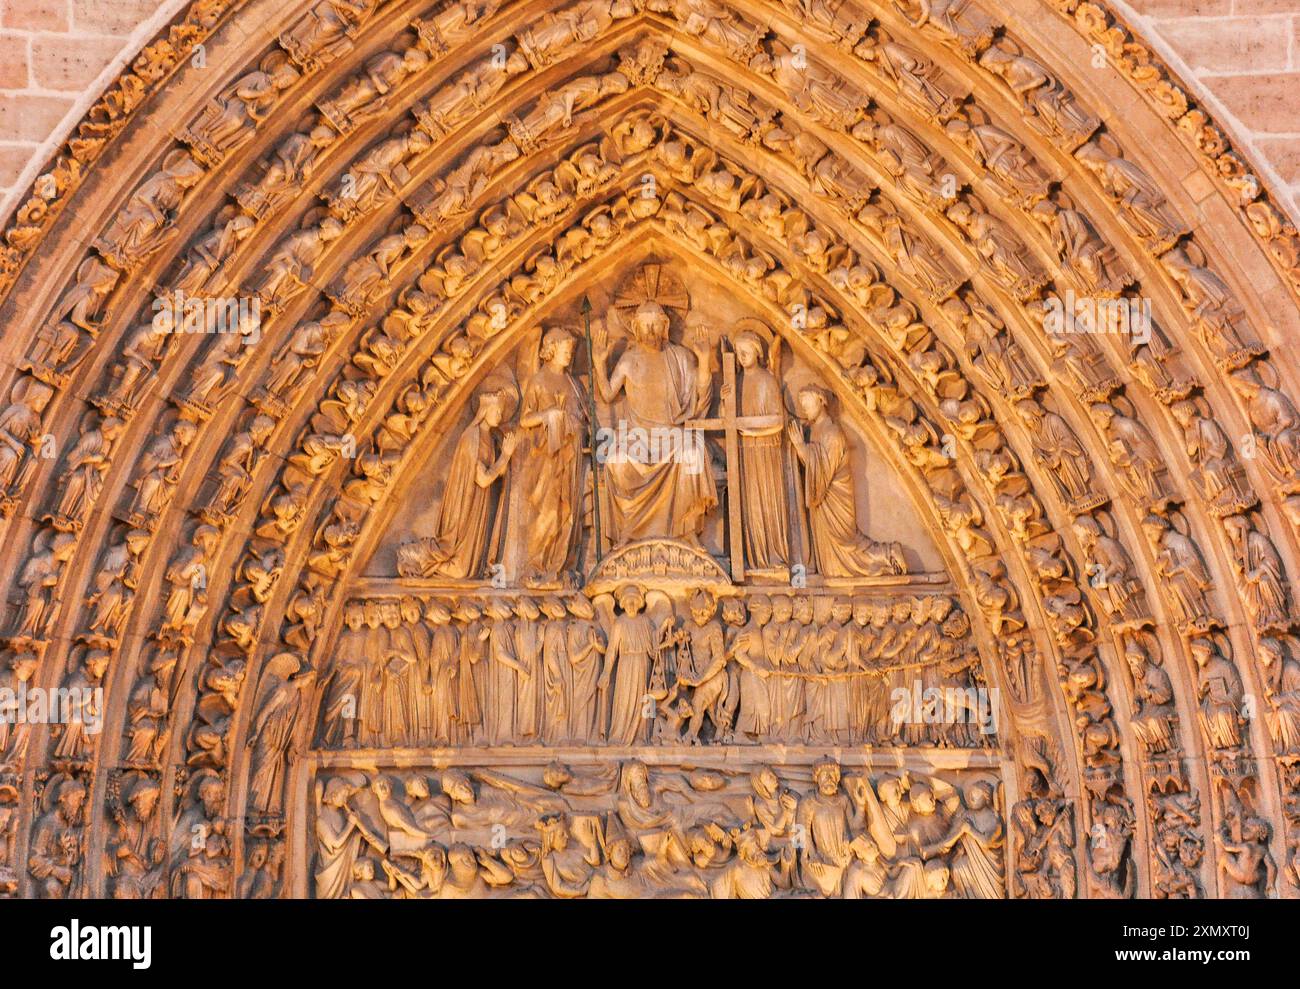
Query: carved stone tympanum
(629,448)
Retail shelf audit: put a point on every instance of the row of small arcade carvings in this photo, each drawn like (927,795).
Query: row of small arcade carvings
(560,669)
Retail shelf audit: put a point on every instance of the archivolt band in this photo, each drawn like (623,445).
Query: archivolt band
(340,561)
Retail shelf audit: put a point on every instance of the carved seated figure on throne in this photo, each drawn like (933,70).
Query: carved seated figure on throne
(656,489)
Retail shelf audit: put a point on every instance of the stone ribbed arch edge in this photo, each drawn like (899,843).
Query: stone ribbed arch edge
(276,611)
(1095,20)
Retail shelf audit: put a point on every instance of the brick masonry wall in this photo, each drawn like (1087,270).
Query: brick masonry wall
(56,56)
(1242,57)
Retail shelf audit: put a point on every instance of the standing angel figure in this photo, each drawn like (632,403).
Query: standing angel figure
(763,507)
(553,423)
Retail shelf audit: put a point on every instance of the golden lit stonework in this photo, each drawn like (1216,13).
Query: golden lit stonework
(649,448)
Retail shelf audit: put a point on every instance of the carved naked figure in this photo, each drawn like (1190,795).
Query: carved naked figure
(839,548)
(702,667)
(633,831)
(1246,867)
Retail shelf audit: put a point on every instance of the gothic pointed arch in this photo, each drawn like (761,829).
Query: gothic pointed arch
(566,447)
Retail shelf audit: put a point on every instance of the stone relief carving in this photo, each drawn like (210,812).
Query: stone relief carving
(1243,530)
(628,830)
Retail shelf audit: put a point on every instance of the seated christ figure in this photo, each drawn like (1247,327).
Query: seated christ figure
(655,472)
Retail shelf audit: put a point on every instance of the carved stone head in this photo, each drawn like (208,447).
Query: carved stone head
(650,325)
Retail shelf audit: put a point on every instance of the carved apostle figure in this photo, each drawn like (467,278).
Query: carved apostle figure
(1220,691)
(271,733)
(341,705)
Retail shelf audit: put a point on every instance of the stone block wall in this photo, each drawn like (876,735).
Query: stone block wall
(1241,56)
